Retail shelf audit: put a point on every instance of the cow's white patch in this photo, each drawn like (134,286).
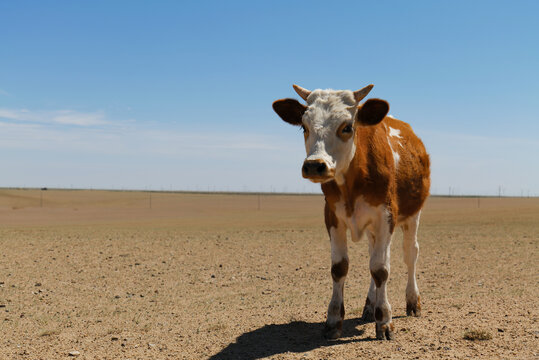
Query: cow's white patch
(396,156)
(395,133)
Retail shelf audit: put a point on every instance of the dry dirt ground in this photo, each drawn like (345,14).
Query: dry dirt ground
(138,275)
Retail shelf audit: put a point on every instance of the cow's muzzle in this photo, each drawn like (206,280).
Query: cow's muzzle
(316,171)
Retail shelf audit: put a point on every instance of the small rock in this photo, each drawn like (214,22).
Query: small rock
(2,305)
(37,284)
(114,338)
(74,353)
(212,276)
(500,330)
(151,346)
(117,297)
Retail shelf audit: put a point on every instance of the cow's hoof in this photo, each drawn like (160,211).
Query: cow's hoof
(368,314)
(413,308)
(332,332)
(385,331)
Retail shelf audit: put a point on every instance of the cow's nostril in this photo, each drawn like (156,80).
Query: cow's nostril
(321,168)
(305,168)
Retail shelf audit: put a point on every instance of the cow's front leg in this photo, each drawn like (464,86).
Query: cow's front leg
(379,266)
(339,269)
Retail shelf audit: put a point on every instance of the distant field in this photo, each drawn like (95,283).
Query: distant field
(139,275)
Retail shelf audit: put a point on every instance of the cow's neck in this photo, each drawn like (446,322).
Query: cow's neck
(352,183)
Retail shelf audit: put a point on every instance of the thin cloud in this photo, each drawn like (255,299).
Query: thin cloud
(60,117)
(124,137)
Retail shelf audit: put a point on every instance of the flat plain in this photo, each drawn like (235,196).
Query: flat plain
(155,275)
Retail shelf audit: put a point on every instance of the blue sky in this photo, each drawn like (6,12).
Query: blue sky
(177,95)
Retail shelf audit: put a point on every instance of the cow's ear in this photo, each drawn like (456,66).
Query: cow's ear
(372,112)
(290,110)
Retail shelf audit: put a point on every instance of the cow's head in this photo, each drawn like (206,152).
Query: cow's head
(329,122)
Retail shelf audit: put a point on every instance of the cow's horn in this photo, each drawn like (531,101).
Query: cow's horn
(360,94)
(304,93)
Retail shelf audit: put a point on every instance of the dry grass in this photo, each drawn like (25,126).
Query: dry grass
(49,332)
(477,335)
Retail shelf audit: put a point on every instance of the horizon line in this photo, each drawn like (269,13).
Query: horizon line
(223,192)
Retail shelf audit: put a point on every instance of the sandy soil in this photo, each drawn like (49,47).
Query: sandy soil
(134,275)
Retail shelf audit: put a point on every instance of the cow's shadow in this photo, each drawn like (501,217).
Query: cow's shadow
(296,336)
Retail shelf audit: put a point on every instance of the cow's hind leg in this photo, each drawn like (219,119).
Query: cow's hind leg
(339,270)
(411,251)
(368,309)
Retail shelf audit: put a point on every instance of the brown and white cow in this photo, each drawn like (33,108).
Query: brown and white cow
(375,175)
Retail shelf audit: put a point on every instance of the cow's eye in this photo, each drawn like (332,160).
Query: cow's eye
(347,129)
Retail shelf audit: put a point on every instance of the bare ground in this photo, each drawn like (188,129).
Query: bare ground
(134,275)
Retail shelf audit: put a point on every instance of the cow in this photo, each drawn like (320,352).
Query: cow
(375,175)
